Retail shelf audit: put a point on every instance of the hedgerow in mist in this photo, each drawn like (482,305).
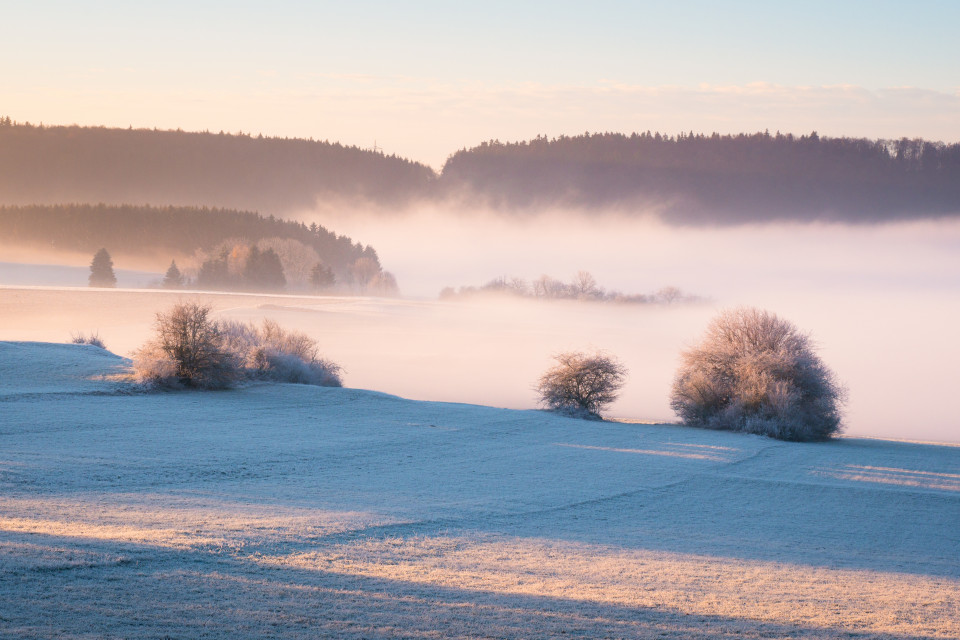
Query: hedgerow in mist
(755,372)
(582,287)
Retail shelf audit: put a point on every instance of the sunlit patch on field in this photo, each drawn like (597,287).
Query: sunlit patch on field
(889,475)
(670,450)
(808,596)
(180,524)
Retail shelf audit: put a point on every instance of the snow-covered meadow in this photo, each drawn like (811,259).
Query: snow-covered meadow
(293,511)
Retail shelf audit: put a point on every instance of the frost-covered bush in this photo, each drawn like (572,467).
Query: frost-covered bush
(92,339)
(187,350)
(581,384)
(274,353)
(192,350)
(154,367)
(284,367)
(755,372)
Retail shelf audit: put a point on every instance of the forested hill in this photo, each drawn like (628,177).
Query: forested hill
(716,179)
(166,231)
(688,178)
(55,164)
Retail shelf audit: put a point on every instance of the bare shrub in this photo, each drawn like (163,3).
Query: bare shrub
(188,350)
(92,339)
(581,384)
(274,353)
(755,372)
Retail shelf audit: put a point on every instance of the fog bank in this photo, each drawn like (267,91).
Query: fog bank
(432,247)
(880,301)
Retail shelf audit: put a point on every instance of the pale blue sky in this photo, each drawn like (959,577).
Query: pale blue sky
(425,78)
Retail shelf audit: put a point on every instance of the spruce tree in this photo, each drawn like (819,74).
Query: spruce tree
(101,270)
(173,279)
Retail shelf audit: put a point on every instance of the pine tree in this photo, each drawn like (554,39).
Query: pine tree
(173,279)
(101,270)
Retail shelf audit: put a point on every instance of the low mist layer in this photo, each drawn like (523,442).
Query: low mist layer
(433,248)
(896,354)
(880,301)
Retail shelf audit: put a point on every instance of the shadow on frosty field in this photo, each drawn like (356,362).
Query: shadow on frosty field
(303,512)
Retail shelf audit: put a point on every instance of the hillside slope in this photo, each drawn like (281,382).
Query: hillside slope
(298,511)
(690,178)
(55,164)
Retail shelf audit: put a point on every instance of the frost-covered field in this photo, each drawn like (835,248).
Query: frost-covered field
(293,511)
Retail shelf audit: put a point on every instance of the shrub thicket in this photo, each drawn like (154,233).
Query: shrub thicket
(273,353)
(755,372)
(581,384)
(192,350)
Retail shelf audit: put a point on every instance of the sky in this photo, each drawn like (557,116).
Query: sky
(424,79)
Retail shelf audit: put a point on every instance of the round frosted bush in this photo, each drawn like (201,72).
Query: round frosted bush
(755,372)
(581,384)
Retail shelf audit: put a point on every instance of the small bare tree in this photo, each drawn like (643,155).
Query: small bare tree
(581,384)
(384,284)
(584,285)
(188,349)
(757,373)
(363,271)
(669,295)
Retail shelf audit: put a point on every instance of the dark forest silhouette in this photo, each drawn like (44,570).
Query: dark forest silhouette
(718,179)
(52,165)
(688,178)
(134,230)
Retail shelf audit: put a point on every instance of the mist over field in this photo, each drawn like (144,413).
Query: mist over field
(431,247)
(879,300)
